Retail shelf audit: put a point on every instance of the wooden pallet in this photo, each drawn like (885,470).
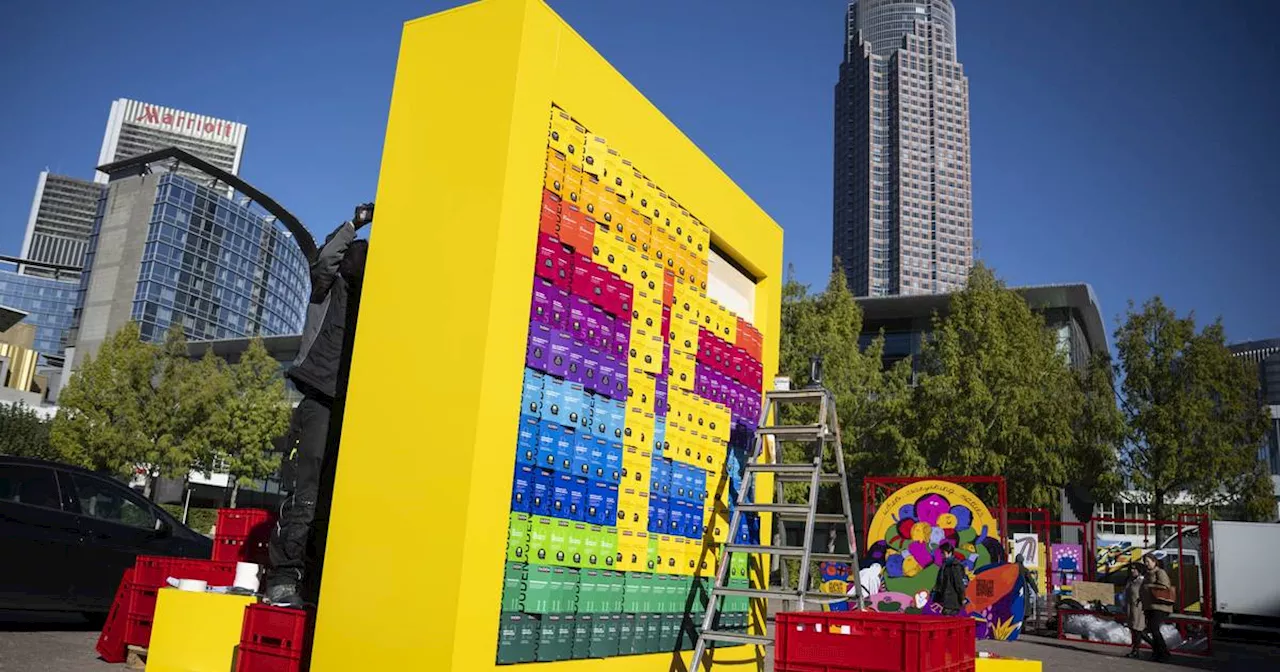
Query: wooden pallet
(137,658)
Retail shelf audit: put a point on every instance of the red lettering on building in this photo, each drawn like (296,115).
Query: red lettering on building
(151,115)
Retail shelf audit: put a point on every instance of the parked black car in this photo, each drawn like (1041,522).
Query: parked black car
(68,534)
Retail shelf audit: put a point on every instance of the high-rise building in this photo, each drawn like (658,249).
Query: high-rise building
(135,128)
(61,216)
(1265,355)
(184,252)
(49,305)
(903,217)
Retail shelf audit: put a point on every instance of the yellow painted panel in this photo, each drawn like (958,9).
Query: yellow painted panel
(445,307)
(195,632)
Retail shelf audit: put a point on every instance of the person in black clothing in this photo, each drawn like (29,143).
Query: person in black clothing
(336,275)
(949,588)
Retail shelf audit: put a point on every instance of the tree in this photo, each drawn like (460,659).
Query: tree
(1098,431)
(1192,410)
(99,424)
(253,413)
(996,395)
(137,407)
(23,433)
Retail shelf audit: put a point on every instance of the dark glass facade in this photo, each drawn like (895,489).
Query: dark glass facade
(217,266)
(50,305)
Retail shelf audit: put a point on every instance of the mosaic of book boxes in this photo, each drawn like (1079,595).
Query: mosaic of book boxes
(640,399)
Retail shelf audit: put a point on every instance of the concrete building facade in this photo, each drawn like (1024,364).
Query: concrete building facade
(62,213)
(903,216)
(167,249)
(135,128)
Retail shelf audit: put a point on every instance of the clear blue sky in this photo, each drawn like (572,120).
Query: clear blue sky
(1132,145)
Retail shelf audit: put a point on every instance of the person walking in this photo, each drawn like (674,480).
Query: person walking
(949,588)
(1157,603)
(1137,621)
(336,273)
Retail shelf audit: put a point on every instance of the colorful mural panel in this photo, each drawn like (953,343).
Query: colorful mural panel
(1066,565)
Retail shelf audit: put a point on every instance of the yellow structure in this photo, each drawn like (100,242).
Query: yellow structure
(414,565)
(16,348)
(195,632)
(1007,665)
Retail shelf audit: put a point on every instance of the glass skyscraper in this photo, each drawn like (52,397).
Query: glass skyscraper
(903,219)
(49,303)
(185,253)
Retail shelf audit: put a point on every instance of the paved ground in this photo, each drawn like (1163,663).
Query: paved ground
(30,643)
(37,643)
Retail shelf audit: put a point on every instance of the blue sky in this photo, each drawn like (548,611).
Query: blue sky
(1132,145)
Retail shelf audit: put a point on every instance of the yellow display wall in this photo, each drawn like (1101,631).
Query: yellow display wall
(415,560)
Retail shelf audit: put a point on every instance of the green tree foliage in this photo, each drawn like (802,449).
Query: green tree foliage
(1192,411)
(23,433)
(253,413)
(99,424)
(1098,431)
(996,396)
(137,405)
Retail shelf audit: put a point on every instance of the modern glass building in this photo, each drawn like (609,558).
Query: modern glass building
(49,304)
(1070,311)
(183,252)
(903,217)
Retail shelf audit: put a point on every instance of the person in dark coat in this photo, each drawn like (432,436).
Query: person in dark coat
(1156,605)
(336,274)
(949,588)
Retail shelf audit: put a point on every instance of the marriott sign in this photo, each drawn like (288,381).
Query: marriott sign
(182,121)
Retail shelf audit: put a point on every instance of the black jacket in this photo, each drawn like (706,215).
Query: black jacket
(948,590)
(323,334)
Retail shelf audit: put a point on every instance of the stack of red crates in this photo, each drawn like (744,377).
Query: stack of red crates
(272,639)
(868,641)
(242,534)
(111,645)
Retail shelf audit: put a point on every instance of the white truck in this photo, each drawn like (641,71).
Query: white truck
(1246,594)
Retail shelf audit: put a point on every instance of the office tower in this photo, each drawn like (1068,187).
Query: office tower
(61,215)
(136,128)
(184,252)
(903,219)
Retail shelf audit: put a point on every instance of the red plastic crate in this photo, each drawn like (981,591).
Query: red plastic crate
(250,658)
(239,549)
(861,641)
(244,522)
(111,645)
(274,628)
(141,600)
(137,630)
(151,571)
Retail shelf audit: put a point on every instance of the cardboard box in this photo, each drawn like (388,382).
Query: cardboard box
(539,544)
(609,546)
(558,357)
(553,263)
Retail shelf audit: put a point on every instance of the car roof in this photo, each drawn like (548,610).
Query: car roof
(37,462)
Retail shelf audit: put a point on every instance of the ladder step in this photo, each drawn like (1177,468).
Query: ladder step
(795,395)
(780,468)
(787,552)
(801,510)
(805,478)
(737,638)
(753,592)
(794,431)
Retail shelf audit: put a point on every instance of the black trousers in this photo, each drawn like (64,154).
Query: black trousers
(1155,619)
(301,472)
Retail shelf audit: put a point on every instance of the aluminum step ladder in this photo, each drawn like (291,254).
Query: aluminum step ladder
(824,436)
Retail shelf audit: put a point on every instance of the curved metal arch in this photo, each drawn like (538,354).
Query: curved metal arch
(291,223)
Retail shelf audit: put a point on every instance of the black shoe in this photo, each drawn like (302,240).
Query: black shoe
(284,595)
(1131,654)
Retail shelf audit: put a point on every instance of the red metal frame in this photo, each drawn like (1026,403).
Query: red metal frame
(1041,522)
(875,486)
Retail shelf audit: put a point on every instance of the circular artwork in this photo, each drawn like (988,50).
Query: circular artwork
(909,530)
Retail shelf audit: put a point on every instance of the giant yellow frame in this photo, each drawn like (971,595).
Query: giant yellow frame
(413,573)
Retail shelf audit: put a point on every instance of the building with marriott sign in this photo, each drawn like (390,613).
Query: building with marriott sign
(135,128)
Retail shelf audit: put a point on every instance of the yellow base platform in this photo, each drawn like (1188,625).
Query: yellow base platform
(195,632)
(1007,665)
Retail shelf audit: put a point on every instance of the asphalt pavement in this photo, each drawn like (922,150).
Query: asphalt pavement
(32,642)
(53,643)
